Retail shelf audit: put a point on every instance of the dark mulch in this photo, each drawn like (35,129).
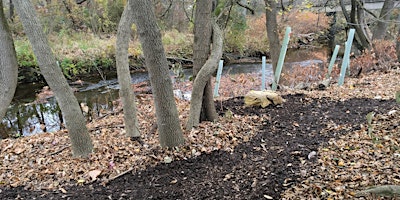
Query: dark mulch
(266,165)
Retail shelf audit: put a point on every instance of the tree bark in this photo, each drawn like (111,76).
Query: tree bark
(384,16)
(398,41)
(169,129)
(356,24)
(201,51)
(204,74)
(8,65)
(272,31)
(74,119)
(348,20)
(124,78)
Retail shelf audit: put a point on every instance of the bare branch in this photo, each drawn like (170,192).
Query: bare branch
(80,1)
(246,7)
(167,10)
(186,13)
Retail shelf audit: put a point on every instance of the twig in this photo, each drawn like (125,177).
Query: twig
(117,176)
(59,151)
(246,7)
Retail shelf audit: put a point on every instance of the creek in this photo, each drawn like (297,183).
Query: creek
(26,116)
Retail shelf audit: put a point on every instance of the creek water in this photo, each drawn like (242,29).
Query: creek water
(26,117)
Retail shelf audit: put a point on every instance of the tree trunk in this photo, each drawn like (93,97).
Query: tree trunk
(272,31)
(398,41)
(201,51)
(74,119)
(381,26)
(8,65)
(356,24)
(204,74)
(169,129)
(124,78)
(357,43)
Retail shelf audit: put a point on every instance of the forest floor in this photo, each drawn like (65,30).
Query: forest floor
(314,146)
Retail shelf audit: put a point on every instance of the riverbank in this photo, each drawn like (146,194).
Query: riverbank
(80,53)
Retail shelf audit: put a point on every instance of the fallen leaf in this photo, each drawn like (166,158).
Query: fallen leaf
(94,174)
(267,196)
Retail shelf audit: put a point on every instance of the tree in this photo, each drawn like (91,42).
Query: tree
(398,42)
(169,129)
(203,76)
(356,21)
(8,65)
(201,51)
(74,120)
(124,78)
(381,26)
(272,31)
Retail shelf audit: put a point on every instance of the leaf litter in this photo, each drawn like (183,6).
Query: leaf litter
(345,165)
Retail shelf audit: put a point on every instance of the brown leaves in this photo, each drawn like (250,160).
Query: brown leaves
(44,161)
(355,162)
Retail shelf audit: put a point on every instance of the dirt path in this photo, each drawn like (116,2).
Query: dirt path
(262,168)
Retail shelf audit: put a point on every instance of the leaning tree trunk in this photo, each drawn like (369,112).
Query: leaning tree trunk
(384,16)
(74,120)
(203,76)
(272,31)
(8,65)
(169,129)
(201,51)
(124,78)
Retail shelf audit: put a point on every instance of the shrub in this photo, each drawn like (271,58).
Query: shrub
(381,57)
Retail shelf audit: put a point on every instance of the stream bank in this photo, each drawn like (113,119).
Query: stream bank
(33,109)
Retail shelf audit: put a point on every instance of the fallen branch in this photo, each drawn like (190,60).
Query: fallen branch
(59,151)
(384,190)
(117,176)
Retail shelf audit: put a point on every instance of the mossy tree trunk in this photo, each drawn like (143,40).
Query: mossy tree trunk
(201,51)
(74,119)
(8,65)
(169,129)
(124,78)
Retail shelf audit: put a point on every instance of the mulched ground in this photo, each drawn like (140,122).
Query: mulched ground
(262,168)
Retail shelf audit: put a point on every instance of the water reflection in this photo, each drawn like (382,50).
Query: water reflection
(27,119)
(96,99)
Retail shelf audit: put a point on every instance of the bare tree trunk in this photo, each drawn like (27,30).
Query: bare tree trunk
(124,78)
(398,41)
(204,74)
(381,27)
(357,43)
(169,129)
(272,31)
(74,119)
(356,24)
(8,65)
(201,51)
